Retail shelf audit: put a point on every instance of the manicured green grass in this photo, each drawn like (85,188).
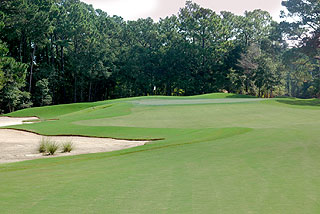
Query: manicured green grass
(248,157)
(51,112)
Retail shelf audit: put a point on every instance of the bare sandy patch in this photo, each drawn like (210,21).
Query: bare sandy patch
(10,121)
(20,146)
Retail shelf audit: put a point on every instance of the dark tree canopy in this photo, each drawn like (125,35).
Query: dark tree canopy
(58,51)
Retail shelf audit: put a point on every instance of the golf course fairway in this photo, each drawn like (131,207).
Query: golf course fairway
(215,153)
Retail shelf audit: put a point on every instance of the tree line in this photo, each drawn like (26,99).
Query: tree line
(63,51)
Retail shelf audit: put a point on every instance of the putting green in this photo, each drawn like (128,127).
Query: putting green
(163,102)
(259,156)
(244,114)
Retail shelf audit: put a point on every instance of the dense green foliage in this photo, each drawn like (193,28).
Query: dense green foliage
(12,81)
(302,61)
(246,157)
(215,153)
(75,53)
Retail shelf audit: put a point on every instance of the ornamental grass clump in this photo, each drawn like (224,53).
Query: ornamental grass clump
(42,145)
(67,147)
(47,146)
(52,147)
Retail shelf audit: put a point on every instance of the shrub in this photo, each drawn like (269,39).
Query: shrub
(67,147)
(47,146)
(42,145)
(51,147)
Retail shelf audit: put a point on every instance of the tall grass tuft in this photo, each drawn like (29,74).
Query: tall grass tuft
(52,147)
(47,146)
(67,147)
(42,145)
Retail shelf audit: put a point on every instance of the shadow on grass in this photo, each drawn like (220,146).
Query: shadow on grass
(313,102)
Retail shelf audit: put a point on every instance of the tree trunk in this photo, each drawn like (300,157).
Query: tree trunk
(75,72)
(247,86)
(75,89)
(62,71)
(94,94)
(81,90)
(31,69)
(20,47)
(52,51)
(90,88)
(62,59)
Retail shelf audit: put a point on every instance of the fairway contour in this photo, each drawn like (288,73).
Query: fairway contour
(212,153)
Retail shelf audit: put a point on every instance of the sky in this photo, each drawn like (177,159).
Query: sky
(134,9)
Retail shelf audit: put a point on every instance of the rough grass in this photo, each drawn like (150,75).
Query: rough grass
(255,157)
(67,147)
(52,147)
(48,146)
(42,145)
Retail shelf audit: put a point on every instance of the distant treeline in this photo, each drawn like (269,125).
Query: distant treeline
(63,51)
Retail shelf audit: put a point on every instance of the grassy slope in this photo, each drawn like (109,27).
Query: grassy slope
(207,164)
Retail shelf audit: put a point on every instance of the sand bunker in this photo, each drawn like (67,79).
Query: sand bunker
(20,146)
(10,121)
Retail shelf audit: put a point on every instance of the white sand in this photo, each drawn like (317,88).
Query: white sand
(10,121)
(20,146)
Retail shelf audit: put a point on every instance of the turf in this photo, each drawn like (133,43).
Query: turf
(222,157)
